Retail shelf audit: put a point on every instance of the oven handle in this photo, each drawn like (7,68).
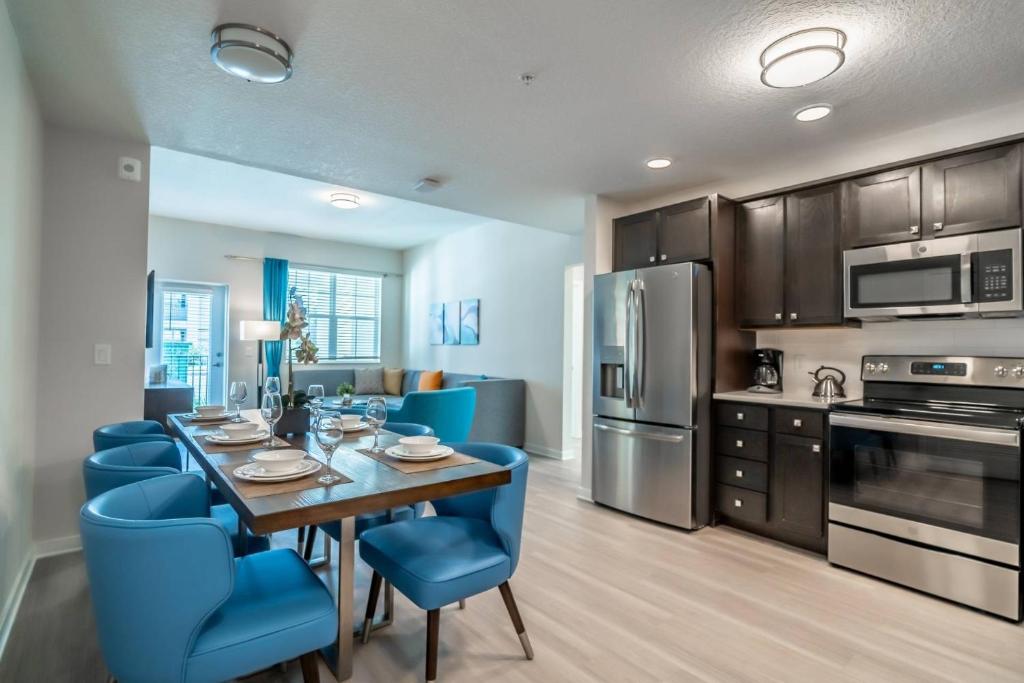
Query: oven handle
(987,435)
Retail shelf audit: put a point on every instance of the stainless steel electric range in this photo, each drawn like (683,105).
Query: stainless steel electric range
(925,478)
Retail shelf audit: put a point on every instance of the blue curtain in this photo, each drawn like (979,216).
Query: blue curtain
(275,306)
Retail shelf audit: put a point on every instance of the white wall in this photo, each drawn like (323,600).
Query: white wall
(92,290)
(20,188)
(517,272)
(194,252)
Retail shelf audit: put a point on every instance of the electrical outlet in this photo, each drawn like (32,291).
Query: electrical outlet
(101,354)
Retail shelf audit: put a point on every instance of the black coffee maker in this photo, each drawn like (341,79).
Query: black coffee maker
(767,371)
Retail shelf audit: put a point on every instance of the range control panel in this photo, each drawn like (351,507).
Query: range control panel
(994,275)
(966,370)
(945,369)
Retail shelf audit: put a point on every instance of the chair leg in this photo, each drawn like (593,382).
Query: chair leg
(517,621)
(310,668)
(371,605)
(111,679)
(307,554)
(462,603)
(302,538)
(433,626)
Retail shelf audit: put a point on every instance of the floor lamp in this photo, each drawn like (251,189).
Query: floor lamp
(260,331)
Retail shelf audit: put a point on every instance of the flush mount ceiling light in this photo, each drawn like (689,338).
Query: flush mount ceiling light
(660,162)
(802,57)
(344,200)
(813,112)
(252,53)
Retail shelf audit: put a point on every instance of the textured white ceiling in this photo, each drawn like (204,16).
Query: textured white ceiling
(388,91)
(198,188)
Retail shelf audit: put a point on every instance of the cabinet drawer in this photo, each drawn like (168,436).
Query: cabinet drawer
(742,504)
(743,415)
(742,443)
(743,473)
(800,422)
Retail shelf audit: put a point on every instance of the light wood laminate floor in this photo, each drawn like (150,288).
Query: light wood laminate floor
(607,597)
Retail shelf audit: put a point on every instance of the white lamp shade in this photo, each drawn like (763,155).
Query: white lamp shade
(259,330)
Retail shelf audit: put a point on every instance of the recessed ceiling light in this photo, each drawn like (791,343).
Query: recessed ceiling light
(344,200)
(802,57)
(659,163)
(252,53)
(813,112)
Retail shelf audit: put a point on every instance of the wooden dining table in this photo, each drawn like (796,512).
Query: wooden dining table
(374,486)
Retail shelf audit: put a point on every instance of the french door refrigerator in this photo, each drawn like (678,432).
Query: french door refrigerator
(652,400)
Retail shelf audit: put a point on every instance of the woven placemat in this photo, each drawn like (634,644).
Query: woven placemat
(252,489)
(406,467)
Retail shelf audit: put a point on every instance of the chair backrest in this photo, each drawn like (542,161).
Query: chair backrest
(501,506)
(113,467)
(449,412)
(408,429)
(158,567)
(121,433)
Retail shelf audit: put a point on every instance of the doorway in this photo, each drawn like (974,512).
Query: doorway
(573,363)
(191,324)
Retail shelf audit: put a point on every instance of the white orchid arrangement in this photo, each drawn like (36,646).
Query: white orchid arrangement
(293,329)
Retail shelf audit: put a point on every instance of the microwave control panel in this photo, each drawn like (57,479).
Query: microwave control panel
(993,275)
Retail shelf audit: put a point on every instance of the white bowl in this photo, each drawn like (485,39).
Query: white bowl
(210,411)
(349,421)
(240,430)
(418,444)
(282,460)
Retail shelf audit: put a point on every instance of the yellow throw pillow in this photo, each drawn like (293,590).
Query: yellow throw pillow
(393,381)
(430,380)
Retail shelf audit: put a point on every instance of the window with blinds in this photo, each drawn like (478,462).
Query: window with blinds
(343,312)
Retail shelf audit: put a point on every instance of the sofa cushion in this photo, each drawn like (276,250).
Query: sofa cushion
(430,380)
(393,381)
(370,381)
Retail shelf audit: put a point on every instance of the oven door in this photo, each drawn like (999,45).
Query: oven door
(942,485)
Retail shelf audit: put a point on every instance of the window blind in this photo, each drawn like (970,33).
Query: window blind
(343,312)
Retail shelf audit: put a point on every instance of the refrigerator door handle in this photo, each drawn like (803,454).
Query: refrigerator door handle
(671,438)
(627,379)
(641,345)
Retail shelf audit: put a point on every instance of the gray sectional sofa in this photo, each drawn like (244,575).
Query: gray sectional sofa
(500,403)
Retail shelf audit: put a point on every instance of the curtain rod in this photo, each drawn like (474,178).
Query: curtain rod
(234,257)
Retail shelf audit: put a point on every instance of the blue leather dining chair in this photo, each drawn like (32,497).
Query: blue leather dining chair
(121,465)
(471,546)
(449,412)
(121,433)
(172,605)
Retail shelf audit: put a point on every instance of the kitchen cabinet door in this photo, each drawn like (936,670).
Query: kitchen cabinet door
(972,192)
(797,488)
(760,262)
(814,273)
(636,241)
(684,232)
(884,208)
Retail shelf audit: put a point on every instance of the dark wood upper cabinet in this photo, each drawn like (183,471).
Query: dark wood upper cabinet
(972,192)
(684,232)
(760,262)
(883,208)
(814,273)
(797,485)
(636,241)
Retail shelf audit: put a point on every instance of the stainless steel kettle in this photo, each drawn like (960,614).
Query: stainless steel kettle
(829,386)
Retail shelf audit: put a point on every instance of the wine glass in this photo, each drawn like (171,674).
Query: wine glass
(316,395)
(328,437)
(376,415)
(272,386)
(272,409)
(239,392)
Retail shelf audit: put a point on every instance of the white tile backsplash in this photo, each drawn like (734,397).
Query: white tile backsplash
(806,350)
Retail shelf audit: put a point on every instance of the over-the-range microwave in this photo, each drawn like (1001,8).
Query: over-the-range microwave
(962,276)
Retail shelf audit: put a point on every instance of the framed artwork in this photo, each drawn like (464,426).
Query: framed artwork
(436,324)
(451,322)
(469,326)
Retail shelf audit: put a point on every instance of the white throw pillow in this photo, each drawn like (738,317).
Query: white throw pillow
(370,381)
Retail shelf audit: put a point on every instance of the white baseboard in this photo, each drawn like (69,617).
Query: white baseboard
(584,494)
(58,546)
(545,452)
(10,611)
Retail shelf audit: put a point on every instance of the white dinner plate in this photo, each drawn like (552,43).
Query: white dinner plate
(437,453)
(196,417)
(225,440)
(255,472)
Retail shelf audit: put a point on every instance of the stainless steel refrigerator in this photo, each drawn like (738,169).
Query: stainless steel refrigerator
(652,401)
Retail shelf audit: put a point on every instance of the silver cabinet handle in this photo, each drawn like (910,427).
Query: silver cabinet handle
(778,316)
(737,503)
(671,438)
(937,227)
(652,259)
(914,229)
(816,448)
(664,257)
(793,316)
(739,443)
(739,474)
(797,422)
(739,416)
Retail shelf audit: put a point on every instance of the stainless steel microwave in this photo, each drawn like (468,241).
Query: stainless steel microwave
(963,276)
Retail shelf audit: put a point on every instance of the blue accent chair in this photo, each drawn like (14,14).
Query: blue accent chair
(172,605)
(121,433)
(471,546)
(449,412)
(122,465)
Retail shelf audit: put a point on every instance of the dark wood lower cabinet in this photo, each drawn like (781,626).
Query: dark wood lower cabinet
(777,487)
